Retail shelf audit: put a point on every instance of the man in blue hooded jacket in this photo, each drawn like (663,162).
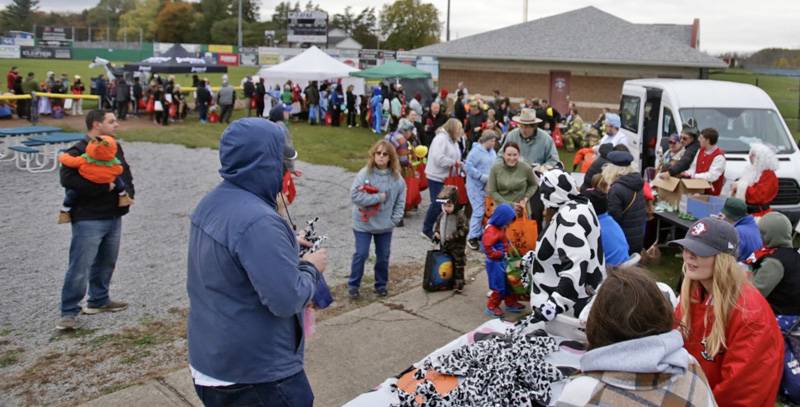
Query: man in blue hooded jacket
(247,285)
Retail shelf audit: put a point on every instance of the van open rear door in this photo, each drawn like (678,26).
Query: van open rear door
(631,111)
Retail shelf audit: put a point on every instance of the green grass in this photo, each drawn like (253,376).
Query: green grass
(75,67)
(341,147)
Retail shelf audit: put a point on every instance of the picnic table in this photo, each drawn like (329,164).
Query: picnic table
(13,136)
(39,153)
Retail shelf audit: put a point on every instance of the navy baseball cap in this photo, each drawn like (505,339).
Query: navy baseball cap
(710,236)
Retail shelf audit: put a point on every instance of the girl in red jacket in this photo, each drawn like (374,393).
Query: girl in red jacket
(758,185)
(726,324)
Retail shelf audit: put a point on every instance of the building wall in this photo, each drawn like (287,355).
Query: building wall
(592,86)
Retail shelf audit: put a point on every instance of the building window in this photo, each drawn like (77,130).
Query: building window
(629,113)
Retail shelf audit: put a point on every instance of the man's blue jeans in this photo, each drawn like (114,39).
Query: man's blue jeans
(313,114)
(293,391)
(92,258)
(383,245)
(434,188)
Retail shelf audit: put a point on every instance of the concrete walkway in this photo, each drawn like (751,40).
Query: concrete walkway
(353,352)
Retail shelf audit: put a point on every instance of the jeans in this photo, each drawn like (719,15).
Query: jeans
(202,111)
(383,245)
(293,391)
(477,200)
(434,188)
(92,257)
(313,114)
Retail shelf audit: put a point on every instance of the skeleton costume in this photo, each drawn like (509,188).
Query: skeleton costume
(569,264)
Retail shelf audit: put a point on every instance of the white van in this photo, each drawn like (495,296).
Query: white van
(652,109)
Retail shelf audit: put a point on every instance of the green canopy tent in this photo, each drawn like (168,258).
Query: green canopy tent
(392,70)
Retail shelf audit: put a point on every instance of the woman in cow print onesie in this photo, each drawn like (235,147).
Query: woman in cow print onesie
(569,263)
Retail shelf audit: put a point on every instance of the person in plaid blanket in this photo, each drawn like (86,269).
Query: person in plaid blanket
(635,358)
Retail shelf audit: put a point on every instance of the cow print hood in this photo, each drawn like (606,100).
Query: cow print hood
(557,188)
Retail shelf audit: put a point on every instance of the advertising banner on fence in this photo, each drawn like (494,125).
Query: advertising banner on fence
(9,51)
(248,56)
(46,53)
(228,49)
(224,58)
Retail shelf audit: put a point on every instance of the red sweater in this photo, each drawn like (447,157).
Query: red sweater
(748,371)
(763,191)
(704,161)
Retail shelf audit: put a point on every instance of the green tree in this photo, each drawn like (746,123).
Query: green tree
(361,27)
(250,10)
(107,13)
(225,31)
(409,24)
(18,15)
(366,26)
(175,21)
(213,11)
(142,16)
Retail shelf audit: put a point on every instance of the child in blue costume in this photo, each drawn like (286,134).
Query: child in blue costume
(495,246)
(376,104)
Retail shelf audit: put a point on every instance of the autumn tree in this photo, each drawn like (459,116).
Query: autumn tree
(174,22)
(143,16)
(410,24)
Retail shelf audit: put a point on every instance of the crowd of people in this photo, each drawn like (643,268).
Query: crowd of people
(720,343)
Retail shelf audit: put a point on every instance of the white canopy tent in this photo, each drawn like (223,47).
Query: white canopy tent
(312,65)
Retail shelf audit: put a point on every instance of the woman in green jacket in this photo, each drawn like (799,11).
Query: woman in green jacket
(511,181)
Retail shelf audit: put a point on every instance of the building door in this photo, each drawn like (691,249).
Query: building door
(559,91)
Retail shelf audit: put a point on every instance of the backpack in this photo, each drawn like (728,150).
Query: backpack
(790,383)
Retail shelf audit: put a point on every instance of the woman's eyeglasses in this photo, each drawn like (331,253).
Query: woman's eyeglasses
(382,153)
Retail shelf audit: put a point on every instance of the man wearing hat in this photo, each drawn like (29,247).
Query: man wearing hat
(735,213)
(689,136)
(613,135)
(673,153)
(536,146)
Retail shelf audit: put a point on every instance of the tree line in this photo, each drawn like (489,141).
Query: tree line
(402,24)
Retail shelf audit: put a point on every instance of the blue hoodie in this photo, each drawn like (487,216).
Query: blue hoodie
(247,286)
(749,237)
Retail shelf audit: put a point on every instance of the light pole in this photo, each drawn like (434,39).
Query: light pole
(240,25)
(448,20)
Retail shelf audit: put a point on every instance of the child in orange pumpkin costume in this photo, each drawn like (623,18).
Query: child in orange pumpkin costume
(99,164)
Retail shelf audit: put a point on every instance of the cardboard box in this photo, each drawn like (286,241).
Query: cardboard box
(701,206)
(671,189)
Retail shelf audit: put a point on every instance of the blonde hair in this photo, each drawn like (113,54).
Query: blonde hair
(454,128)
(394,162)
(612,172)
(727,280)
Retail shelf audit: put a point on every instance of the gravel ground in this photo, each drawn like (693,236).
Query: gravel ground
(151,269)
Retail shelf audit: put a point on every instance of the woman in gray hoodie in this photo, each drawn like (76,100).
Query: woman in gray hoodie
(379,196)
(635,358)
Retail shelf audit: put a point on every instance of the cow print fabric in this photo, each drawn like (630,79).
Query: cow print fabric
(569,263)
(499,370)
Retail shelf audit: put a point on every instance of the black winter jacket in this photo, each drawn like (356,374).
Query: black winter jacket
(633,220)
(95,201)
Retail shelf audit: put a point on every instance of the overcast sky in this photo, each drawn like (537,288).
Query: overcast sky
(737,25)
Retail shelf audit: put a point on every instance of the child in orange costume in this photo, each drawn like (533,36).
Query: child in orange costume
(99,164)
